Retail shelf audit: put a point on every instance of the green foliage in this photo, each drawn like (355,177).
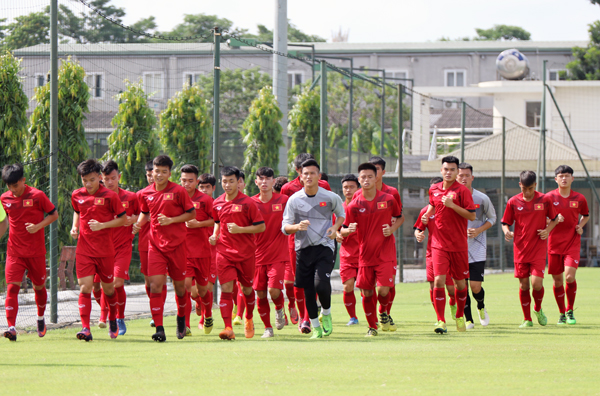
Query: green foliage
(304,127)
(261,133)
(186,129)
(27,30)
(13,108)
(295,35)
(73,96)
(503,32)
(134,140)
(586,65)
(202,24)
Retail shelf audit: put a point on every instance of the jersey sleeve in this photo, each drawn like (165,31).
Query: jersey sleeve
(288,215)
(419,224)
(143,204)
(467,200)
(254,214)
(208,209)
(349,219)
(215,213)
(551,211)
(490,212)
(116,206)
(136,206)
(338,206)
(46,205)
(509,216)
(396,208)
(186,202)
(326,185)
(74,203)
(583,206)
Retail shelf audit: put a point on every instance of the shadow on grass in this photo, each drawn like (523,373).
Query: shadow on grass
(61,365)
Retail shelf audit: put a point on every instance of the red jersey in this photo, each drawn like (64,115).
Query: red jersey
(271,245)
(28,208)
(564,239)
(123,235)
(144,232)
(172,201)
(370,217)
(451,232)
(529,217)
(350,248)
(103,206)
(196,241)
(242,211)
(430,227)
(386,189)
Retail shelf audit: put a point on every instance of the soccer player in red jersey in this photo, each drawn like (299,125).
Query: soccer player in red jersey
(197,246)
(289,189)
(370,214)
(564,243)
(452,204)
(207,184)
(528,211)
(349,250)
(168,206)
(239,301)
(271,251)
(420,236)
(97,210)
(288,278)
(237,219)
(26,250)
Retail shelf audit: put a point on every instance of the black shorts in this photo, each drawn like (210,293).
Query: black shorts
(313,262)
(476,271)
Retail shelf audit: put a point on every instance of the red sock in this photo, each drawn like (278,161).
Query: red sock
(525,299)
(188,309)
(369,305)
(98,296)
(300,302)
(461,297)
(182,303)
(164,294)
(392,295)
(559,295)
(226,305)
(113,305)
(279,302)
(306,317)
(157,307)
(235,290)
(439,302)
(148,291)
(85,308)
(383,302)
(571,291)
(241,303)
(350,303)
(264,311)
(289,292)
(41,298)
(452,299)
(12,304)
(103,307)
(207,302)
(122,300)
(250,301)
(538,296)
(431,295)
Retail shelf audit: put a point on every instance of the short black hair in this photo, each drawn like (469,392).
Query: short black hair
(149,165)
(527,178)
(435,180)
(350,177)
(207,178)
(265,171)
(89,166)
(190,169)
(230,171)
(563,169)
(324,176)
(12,173)
(450,159)
(110,166)
(367,166)
(311,162)
(163,160)
(465,165)
(279,183)
(375,160)
(302,158)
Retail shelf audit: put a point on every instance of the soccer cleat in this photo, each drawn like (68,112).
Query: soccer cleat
(152,323)
(180,327)
(393,326)
(440,327)
(352,322)
(286,320)
(484,318)
(279,319)
(208,325)
(541,318)
(460,324)
(317,332)
(122,327)
(371,332)
(385,321)
(268,333)
(304,328)
(248,328)
(237,321)
(227,334)
(159,336)
(188,331)
(41,327)
(453,311)
(321,318)
(294,315)
(11,333)
(562,320)
(198,309)
(201,323)
(570,317)
(101,324)
(113,329)
(470,325)
(327,325)
(526,323)
(85,334)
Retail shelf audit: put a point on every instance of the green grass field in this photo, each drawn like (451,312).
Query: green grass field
(499,359)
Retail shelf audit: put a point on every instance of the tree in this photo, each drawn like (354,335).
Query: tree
(295,35)
(503,32)
(262,134)
(304,127)
(28,30)
(13,110)
(202,24)
(73,96)
(586,65)
(134,140)
(186,129)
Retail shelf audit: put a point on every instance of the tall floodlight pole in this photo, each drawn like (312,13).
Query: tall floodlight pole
(543,132)
(54,158)
(216,121)
(323,136)
(280,77)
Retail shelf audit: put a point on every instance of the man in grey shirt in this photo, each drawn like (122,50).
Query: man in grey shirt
(308,215)
(485,219)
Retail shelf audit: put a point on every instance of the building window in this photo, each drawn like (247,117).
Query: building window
(96,83)
(153,84)
(41,80)
(455,78)
(191,78)
(554,75)
(295,78)
(403,74)
(533,110)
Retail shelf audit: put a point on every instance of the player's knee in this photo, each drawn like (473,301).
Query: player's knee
(274,293)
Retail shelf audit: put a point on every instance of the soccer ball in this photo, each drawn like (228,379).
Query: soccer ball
(512,65)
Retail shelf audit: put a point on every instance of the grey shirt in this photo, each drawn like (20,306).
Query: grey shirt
(317,209)
(484,211)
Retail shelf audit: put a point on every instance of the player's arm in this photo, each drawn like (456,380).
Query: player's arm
(131,220)
(118,221)
(582,222)
(182,218)
(543,234)
(490,214)
(75,228)
(143,218)
(3,226)
(256,228)
(200,224)
(508,234)
(389,230)
(430,212)
(51,218)
(462,212)
(331,232)
(216,233)
(288,227)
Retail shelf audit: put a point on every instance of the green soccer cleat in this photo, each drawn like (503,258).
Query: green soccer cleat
(562,319)
(393,326)
(384,319)
(317,332)
(188,332)
(470,325)
(327,325)
(526,323)
(541,318)
(453,311)
(440,327)
(570,317)
(237,321)
(372,332)
(460,324)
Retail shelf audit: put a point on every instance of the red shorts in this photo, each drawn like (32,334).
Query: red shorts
(144,262)
(122,261)
(104,267)
(524,270)
(290,269)
(431,277)
(348,270)
(292,252)
(242,271)
(558,262)
(198,268)
(269,276)
(213,267)
(383,274)
(35,266)
(172,262)
(455,264)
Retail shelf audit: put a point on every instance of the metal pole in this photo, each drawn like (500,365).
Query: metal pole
(280,72)
(323,139)
(382,115)
(54,158)
(400,181)
(313,63)
(350,117)
(216,93)
(463,122)
(543,132)
(502,192)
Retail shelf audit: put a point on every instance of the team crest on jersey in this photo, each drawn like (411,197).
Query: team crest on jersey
(126,204)
(168,197)
(573,204)
(27,203)
(236,208)
(451,195)
(539,206)
(277,208)
(382,205)
(322,204)
(99,201)
(196,205)
(477,206)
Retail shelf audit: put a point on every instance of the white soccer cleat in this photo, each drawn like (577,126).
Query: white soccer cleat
(279,319)
(268,333)
(484,318)
(470,325)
